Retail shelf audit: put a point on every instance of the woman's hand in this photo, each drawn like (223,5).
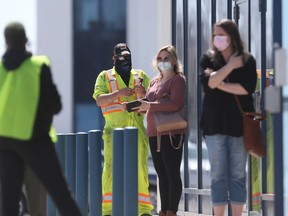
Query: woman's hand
(208,71)
(236,61)
(145,105)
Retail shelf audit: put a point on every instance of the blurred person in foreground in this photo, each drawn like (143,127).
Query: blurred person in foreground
(113,88)
(226,70)
(35,191)
(166,93)
(29,99)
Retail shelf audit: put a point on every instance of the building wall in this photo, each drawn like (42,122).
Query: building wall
(54,39)
(148,29)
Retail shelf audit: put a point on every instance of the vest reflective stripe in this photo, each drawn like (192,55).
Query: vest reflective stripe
(113,107)
(138,81)
(113,86)
(142,198)
(135,92)
(107,198)
(19,96)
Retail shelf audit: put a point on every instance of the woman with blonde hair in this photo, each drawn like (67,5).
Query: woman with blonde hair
(166,93)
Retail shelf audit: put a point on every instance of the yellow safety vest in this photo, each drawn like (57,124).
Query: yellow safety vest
(115,106)
(19,96)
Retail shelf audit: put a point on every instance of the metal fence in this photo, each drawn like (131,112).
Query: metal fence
(81,160)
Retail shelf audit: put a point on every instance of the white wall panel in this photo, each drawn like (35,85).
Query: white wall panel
(54,34)
(148,29)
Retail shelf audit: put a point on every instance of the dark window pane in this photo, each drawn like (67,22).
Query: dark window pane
(98,26)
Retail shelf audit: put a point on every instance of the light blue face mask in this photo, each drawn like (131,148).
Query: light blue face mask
(164,66)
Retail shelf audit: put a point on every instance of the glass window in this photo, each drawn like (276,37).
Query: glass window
(98,26)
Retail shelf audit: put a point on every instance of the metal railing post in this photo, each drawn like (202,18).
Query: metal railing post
(82,171)
(130,171)
(71,162)
(95,172)
(117,186)
(60,150)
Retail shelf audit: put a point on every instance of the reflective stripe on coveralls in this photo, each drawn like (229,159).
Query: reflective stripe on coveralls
(115,106)
(20,106)
(142,198)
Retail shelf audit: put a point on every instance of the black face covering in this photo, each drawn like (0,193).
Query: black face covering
(123,68)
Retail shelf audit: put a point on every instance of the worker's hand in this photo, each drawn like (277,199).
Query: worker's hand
(140,89)
(145,105)
(125,92)
(123,106)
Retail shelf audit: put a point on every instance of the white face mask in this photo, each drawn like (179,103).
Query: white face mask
(164,66)
(220,42)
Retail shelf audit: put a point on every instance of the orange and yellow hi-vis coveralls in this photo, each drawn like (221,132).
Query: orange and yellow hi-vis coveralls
(107,82)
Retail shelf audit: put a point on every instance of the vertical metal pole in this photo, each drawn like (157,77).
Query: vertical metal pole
(82,171)
(51,208)
(60,150)
(173,21)
(130,171)
(213,10)
(199,103)
(278,120)
(249,174)
(71,162)
(118,192)
(263,9)
(229,9)
(95,172)
(186,65)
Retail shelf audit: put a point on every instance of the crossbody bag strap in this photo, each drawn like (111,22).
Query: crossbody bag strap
(171,141)
(238,104)
(237,100)
(180,141)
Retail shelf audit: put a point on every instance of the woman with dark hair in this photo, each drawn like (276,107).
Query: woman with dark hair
(166,93)
(226,70)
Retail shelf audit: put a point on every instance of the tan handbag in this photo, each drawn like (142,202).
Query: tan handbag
(169,121)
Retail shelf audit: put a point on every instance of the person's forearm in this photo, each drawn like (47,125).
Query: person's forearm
(233,88)
(217,77)
(105,99)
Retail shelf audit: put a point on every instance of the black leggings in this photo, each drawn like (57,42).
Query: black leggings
(167,165)
(43,161)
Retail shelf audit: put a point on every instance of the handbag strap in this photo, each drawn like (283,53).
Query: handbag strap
(259,116)
(180,141)
(239,104)
(171,141)
(237,100)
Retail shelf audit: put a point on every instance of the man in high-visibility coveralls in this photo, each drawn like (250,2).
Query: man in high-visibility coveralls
(113,87)
(29,100)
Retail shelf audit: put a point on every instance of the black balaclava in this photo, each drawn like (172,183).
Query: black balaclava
(122,61)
